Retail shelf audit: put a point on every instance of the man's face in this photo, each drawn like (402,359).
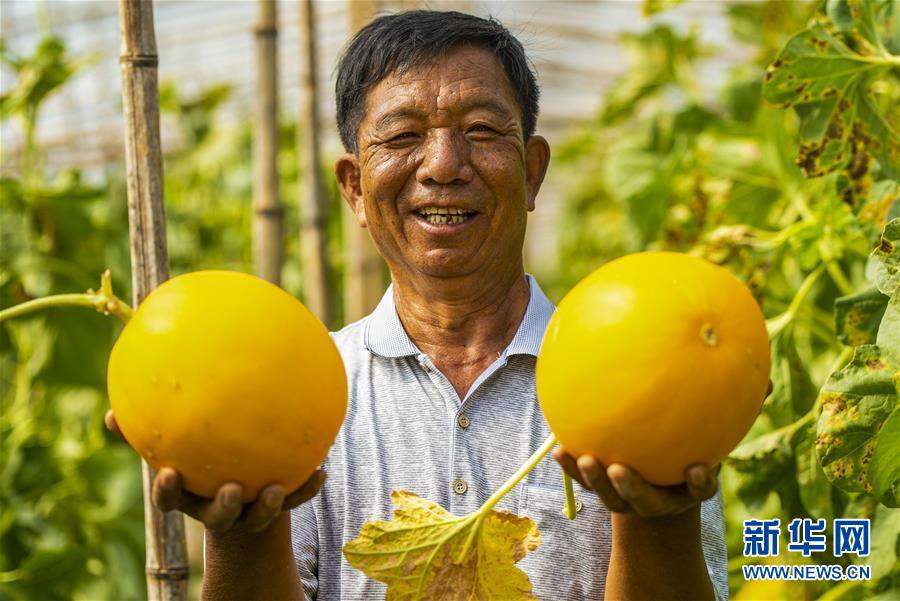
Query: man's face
(443,179)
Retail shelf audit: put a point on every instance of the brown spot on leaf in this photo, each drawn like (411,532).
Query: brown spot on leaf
(808,159)
(842,468)
(885,246)
(875,364)
(835,128)
(868,451)
(833,402)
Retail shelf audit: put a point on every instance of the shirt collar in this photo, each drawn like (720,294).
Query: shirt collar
(385,336)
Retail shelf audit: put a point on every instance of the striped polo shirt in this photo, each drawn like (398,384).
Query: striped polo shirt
(406,428)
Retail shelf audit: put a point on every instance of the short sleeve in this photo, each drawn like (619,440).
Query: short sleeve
(305,541)
(712,537)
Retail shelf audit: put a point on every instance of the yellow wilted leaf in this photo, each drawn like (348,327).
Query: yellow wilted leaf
(426,552)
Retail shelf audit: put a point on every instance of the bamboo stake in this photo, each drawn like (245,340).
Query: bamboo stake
(167,568)
(313,199)
(364,281)
(268,211)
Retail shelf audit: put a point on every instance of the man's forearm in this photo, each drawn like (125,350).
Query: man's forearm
(243,565)
(657,558)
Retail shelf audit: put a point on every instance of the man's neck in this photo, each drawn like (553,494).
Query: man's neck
(462,325)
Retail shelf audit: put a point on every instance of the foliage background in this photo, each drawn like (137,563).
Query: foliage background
(661,166)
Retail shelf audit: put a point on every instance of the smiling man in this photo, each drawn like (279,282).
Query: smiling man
(437,112)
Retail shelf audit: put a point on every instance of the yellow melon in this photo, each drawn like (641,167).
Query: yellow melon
(656,360)
(227,378)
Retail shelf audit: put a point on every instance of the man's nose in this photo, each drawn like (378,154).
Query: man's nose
(445,158)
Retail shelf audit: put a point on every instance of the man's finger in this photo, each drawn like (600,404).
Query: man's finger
(646,499)
(220,513)
(112,425)
(166,490)
(266,508)
(701,482)
(569,465)
(594,473)
(307,491)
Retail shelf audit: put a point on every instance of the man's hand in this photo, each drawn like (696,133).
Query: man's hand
(623,490)
(226,509)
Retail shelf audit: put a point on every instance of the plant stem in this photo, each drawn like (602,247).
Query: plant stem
(776,324)
(515,478)
(479,516)
(802,207)
(839,278)
(785,234)
(569,510)
(103,301)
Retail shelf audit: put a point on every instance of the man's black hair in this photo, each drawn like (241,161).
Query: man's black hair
(396,42)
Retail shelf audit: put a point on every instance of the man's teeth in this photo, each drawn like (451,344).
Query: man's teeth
(442,215)
(441,219)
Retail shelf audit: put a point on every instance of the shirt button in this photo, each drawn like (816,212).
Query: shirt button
(463,421)
(578,505)
(460,487)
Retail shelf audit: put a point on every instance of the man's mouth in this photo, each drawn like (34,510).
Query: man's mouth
(445,215)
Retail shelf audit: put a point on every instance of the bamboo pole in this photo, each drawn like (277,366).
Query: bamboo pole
(166,567)
(313,198)
(268,212)
(363,276)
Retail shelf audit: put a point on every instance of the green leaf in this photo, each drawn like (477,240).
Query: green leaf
(884,469)
(888,339)
(792,389)
(659,59)
(839,13)
(885,541)
(856,401)
(635,175)
(829,86)
(880,204)
(763,26)
(38,76)
(858,316)
(763,462)
(887,259)
(742,97)
(426,552)
(814,488)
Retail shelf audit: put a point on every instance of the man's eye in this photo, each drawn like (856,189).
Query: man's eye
(482,128)
(403,136)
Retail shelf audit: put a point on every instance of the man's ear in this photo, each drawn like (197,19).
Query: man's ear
(349,178)
(537,159)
